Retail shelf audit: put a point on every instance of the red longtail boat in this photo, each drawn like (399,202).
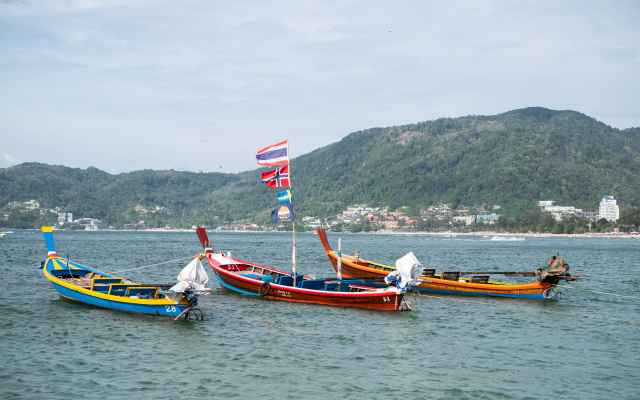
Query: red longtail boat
(255,280)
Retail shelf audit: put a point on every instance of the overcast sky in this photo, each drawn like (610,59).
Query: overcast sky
(200,85)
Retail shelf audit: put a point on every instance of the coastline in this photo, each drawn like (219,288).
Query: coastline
(489,234)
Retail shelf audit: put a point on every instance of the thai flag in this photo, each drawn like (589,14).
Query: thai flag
(277,154)
(276,178)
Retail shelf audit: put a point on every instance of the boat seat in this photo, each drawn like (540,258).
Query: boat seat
(287,280)
(346,284)
(333,286)
(314,284)
(120,289)
(479,279)
(428,272)
(64,273)
(450,275)
(137,291)
(103,284)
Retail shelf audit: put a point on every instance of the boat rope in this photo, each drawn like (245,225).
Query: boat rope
(153,265)
(593,291)
(259,320)
(297,261)
(533,309)
(22,269)
(412,306)
(186,258)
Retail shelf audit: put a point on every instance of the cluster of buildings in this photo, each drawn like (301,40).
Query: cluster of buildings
(357,213)
(90,224)
(608,210)
(466,214)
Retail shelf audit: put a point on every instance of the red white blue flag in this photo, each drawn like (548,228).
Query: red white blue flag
(274,155)
(276,178)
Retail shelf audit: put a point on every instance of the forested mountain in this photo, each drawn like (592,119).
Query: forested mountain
(513,159)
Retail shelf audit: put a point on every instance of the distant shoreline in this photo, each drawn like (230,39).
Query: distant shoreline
(446,234)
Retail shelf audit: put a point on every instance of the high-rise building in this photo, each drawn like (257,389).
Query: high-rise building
(69,217)
(609,209)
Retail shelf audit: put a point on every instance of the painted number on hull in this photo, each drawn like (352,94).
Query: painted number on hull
(284,294)
(171,308)
(386,298)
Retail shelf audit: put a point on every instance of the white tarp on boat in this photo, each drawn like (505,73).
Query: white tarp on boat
(408,269)
(192,278)
(194,272)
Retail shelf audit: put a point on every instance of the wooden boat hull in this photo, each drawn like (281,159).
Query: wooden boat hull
(154,307)
(229,279)
(353,268)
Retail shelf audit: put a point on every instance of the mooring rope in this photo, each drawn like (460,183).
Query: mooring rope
(593,291)
(22,269)
(259,320)
(533,309)
(153,265)
(181,259)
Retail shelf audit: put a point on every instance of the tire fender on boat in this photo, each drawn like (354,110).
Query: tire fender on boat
(268,286)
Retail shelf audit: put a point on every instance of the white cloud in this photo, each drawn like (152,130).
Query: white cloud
(7,160)
(139,84)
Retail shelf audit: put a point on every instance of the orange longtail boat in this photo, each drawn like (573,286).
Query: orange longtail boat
(255,280)
(448,282)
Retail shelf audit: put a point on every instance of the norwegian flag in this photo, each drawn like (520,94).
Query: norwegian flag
(277,178)
(274,155)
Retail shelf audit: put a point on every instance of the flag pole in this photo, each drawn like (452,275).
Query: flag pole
(295,273)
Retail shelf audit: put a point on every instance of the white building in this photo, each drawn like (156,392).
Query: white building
(69,217)
(547,203)
(609,209)
(467,219)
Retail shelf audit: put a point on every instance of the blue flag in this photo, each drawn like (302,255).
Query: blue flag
(285,197)
(282,213)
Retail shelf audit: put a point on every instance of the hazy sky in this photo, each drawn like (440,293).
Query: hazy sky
(199,85)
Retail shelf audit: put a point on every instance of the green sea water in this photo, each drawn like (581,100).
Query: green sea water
(447,349)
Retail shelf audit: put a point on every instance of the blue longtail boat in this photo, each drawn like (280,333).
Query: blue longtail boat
(88,286)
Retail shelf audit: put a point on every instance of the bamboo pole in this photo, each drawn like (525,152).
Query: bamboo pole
(339,269)
(295,273)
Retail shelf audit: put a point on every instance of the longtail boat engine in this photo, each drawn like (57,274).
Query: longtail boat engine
(407,271)
(192,282)
(555,270)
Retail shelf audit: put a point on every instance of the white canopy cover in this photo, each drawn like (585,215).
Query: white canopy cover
(193,277)
(408,269)
(194,272)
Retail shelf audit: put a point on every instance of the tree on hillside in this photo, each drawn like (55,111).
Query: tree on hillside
(630,218)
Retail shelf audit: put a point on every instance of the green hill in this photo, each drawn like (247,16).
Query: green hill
(513,159)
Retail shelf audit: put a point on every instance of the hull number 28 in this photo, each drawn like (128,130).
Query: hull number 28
(171,308)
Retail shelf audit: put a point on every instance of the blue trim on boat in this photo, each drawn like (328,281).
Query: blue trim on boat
(449,292)
(234,288)
(118,306)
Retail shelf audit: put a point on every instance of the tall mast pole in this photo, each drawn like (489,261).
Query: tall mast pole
(295,273)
